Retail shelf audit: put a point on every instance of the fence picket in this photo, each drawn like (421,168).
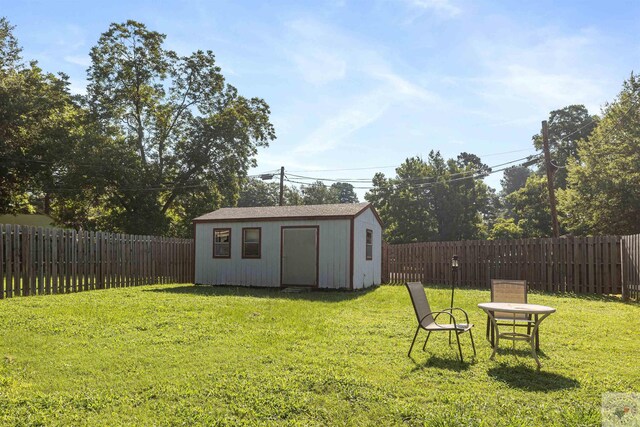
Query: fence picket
(9,261)
(17,261)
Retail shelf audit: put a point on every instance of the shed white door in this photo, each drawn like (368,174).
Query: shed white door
(300,256)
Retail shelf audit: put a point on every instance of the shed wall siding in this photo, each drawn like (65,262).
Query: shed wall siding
(333,268)
(366,272)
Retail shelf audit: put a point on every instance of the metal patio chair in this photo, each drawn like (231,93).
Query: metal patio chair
(513,291)
(427,319)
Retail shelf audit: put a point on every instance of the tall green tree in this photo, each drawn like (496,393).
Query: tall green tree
(514,178)
(567,126)
(344,192)
(179,138)
(318,193)
(530,208)
(293,196)
(505,228)
(10,49)
(256,192)
(433,199)
(40,123)
(603,194)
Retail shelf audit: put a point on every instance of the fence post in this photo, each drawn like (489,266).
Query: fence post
(623,276)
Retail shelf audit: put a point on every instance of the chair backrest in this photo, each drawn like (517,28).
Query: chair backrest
(420,303)
(514,291)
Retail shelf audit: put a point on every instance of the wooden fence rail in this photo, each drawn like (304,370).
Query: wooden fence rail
(36,260)
(591,265)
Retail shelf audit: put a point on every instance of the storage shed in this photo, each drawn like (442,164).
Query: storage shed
(321,246)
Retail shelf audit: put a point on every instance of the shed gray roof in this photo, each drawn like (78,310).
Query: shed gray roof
(345,210)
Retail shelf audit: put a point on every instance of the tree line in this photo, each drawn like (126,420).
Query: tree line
(160,138)
(157,140)
(596,164)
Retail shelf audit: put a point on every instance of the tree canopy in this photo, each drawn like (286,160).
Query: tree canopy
(603,194)
(567,126)
(436,199)
(161,138)
(39,124)
(183,137)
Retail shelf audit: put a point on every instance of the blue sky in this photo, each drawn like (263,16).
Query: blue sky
(356,87)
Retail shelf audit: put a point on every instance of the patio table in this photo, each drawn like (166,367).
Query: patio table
(540,312)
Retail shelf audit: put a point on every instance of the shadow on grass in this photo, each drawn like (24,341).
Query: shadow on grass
(528,379)
(520,352)
(591,297)
(451,364)
(329,295)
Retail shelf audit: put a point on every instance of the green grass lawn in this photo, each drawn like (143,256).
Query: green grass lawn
(186,355)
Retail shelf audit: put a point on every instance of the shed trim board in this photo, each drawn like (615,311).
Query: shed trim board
(351,258)
(375,213)
(285,218)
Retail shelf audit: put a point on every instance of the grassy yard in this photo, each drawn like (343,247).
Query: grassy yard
(186,355)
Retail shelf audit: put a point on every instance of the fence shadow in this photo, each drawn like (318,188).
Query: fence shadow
(525,378)
(587,297)
(329,295)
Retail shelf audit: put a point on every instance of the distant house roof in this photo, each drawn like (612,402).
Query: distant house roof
(272,213)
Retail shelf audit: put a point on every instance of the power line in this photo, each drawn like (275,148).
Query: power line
(423,185)
(395,166)
(349,169)
(420,180)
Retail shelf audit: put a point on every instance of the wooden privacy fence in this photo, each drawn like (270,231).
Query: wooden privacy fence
(36,260)
(568,264)
(631,265)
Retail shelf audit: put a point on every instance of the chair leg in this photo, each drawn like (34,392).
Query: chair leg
(459,348)
(472,343)
(414,341)
(449,337)
(493,335)
(488,328)
(425,341)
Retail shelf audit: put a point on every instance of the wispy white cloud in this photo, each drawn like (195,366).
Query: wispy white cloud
(355,115)
(71,37)
(319,67)
(83,60)
(440,7)
(404,88)
(368,84)
(543,88)
(540,69)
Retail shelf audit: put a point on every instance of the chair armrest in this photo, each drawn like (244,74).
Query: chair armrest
(438,313)
(466,316)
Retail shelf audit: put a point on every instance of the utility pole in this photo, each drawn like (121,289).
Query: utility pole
(282,186)
(551,170)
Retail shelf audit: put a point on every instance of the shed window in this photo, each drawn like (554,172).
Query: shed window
(369,245)
(251,243)
(222,243)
